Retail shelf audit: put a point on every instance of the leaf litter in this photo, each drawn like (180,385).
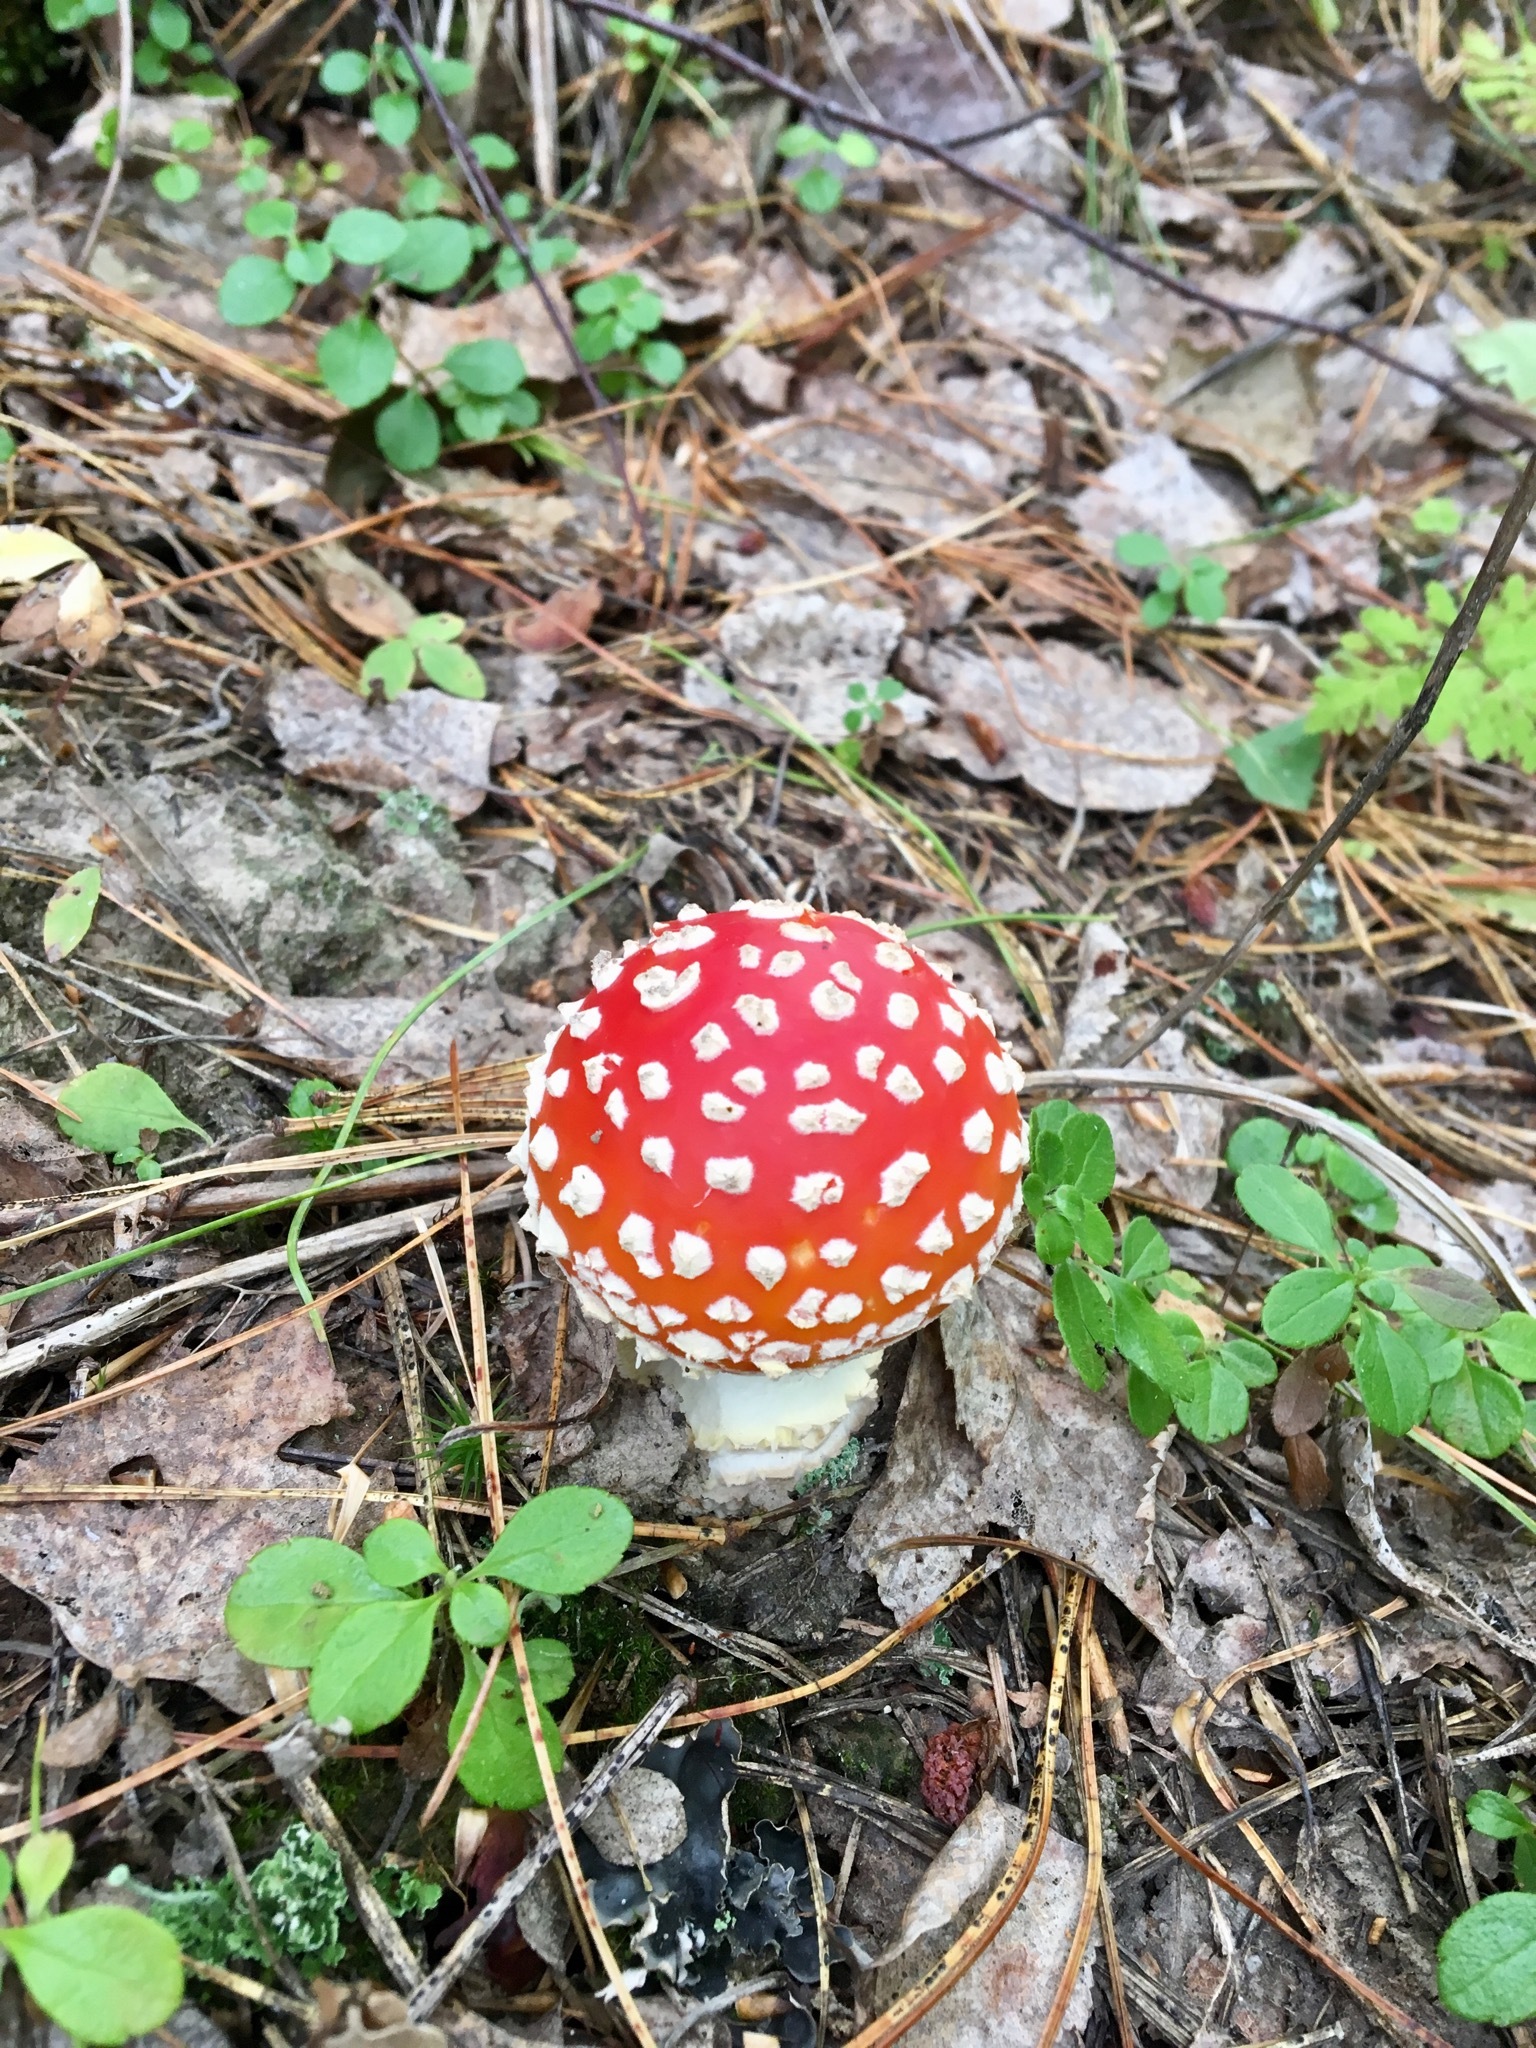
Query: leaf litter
(878,646)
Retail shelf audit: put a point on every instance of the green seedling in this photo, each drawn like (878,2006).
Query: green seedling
(426,644)
(1487,1956)
(1197,586)
(621,316)
(356,1624)
(819,188)
(865,704)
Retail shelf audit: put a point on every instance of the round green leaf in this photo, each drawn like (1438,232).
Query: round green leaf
(1454,1300)
(1511,1341)
(663,362)
(42,1863)
(103,1973)
(307,262)
(70,910)
(109,1109)
(1488,1961)
(271,219)
(550,1670)
(1498,1816)
(344,72)
(1250,1362)
(356,360)
(1205,594)
(819,190)
(1441,1350)
(408,434)
(371,1666)
(1088,1149)
(857,150)
(1141,550)
(191,136)
(364,235)
(479,1614)
(1279,766)
(1282,1204)
(256,291)
(499,1767)
(493,152)
(151,65)
(1480,1411)
(1157,608)
(396,117)
(1148,1340)
(479,419)
(391,666)
(399,1552)
(434,255)
(293,1596)
(454,669)
(1217,1405)
(1391,1376)
(799,139)
(486,369)
(434,626)
(562,1541)
(1436,516)
(169,24)
(1308,1307)
(177,183)
(7,445)
(65,16)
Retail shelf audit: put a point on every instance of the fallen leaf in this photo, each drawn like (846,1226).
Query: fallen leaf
(346,1031)
(27,552)
(1262,412)
(426,741)
(359,595)
(87,1738)
(143,1584)
(760,378)
(70,910)
(809,650)
(560,622)
(1069,723)
(1155,488)
(89,620)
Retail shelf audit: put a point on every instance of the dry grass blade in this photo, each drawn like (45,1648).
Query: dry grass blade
(1093,1828)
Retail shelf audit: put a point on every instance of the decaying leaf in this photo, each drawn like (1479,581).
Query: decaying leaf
(87,1738)
(357,593)
(143,1585)
(439,745)
(560,622)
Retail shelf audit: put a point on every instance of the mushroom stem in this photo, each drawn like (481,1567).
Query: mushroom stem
(758,1430)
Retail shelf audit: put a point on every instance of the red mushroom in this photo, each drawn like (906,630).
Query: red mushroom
(770,1142)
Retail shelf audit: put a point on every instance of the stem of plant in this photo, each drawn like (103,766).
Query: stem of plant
(120,139)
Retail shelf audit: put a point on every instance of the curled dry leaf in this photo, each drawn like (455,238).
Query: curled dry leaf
(560,622)
(76,611)
(85,1739)
(1308,1471)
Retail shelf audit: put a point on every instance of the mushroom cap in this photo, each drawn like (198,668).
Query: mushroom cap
(772,1137)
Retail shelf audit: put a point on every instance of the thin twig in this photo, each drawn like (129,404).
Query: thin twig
(490,204)
(120,139)
(472,1721)
(1458,637)
(434,1989)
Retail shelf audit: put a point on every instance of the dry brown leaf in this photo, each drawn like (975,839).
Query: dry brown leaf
(560,622)
(358,594)
(87,1738)
(424,333)
(143,1585)
(89,620)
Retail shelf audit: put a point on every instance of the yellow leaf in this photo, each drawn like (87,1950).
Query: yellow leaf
(27,552)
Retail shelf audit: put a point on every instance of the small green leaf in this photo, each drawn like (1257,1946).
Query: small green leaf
(1215,1406)
(663,362)
(1279,766)
(1455,1300)
(550,1670)
(1478,1410)
(562,1541)
(1084,1319)
(451,75)
(177,183)
(255,292)
(1205,592)
(1308,1307)
(499,1767)
(1149,1407)
(819,190)
(479,1614)
(454,669)
(102,1973)
(1157,608)
(479,419)
(1247,1361)
(800,140)
(1497,1815)
(112,1107)
(169,24)
(1438,516)
(1144,1255)
(493,152)
(1488,1954)
(292,1597)
(1505,355)
(42,1863)
(1088,1149)
(391,665)
(70,910)
(357,360)
(1055,1239)
(344,72)
(7,445)
(307,262)
(487,369)
(408,434)
(364,235)
(1258,1141)
(1441,1350)
(191,136)
(1141,551)
(7,1877)
(857,150)
(399,1552)
(1280,1202)
(1511,1343)
(1390,1375)
(434,626)
(1524,1861)
(396,117)
(271,219)
(1144,1339)
(433,257)
(371,1666)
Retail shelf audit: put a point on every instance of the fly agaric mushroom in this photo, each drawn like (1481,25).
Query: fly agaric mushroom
(772,1141)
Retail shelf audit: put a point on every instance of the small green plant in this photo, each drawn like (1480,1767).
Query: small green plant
(102,1973)
(1487,1958)
(1436,518)
(1423,1342)
(388,76)
(645,48)
(1197,586)
(1505,355)
(122,1111)
(819,188)
(164,43)
(622,315)
(1490,696)
(310,1604)
(428,644)
(1500,85)
(865,704)
(301,1893)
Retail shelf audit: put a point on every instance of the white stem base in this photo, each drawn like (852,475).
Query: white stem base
(758,1430)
